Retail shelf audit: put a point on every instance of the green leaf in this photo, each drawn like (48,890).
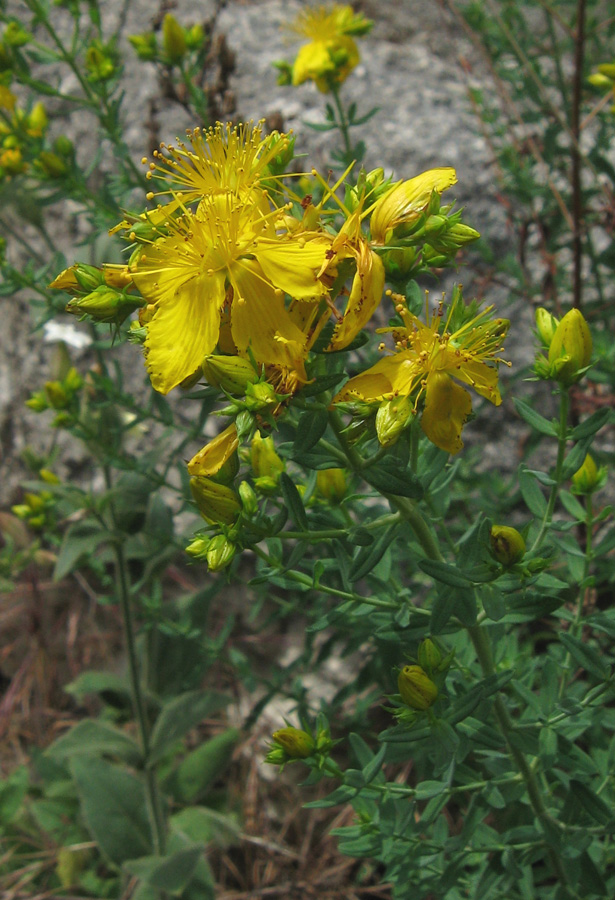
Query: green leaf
(441,611)
(444,573)
(585,656)
(572,506)
(13,790)
(387,478)
(178,716)
(91,736)
(534,419)
(200,823)
(532,494)
(114,808)
(111,688)
(322,383)
(293,502)
(493,602)
(592,803)
(80,540)
(591,425)
(310,428)
(198,771)
(427,789)
(368,557)
(167,873)
(575,459)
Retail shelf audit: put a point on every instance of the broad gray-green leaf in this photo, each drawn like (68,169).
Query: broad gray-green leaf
(178,716)
(168,873)
(93,737)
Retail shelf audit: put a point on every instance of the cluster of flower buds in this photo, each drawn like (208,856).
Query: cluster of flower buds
(604,79)
(62,395)
(38,510)
(419,686)
(568,344)
(102,62)
(291,744)
(23,140)
(102,295)
(177,41)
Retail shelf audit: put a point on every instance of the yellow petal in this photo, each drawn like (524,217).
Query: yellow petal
(392,376)
(293,265)
(405,202)
(259,319)
(213,456)
(365,295)
(184,328)
(313,61)
(447,407)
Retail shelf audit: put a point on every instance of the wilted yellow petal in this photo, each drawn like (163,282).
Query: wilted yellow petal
(215,454)
(365,295)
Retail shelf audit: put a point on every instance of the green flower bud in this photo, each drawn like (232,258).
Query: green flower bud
(145,45)
(249,500)
(195,36)
(264,459)
(331,484)
(571,348)
(15,35)
(589,478)
(260,395)
(546,324)
(173,39)
(297,744)
(400,263)
(507,545)
(435,225)
(220,553)
(37,401)
(100,62)
(56,395)
(37,120)
(607,69)
(230,373)
(217,503)
(392,418)
(460,234)
(64,146)
(416,688)
(52,165)
(21,510)
(72,381)
(104,304)
(429,656)
(197,548)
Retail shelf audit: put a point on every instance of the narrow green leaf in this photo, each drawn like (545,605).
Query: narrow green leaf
(310,428)
(293,502)
(534,419)
(592,803)
(427,789)
(532,494)
(387,478)
(585,656)
(198,771)
(444,573)
(368,557)
(591,425)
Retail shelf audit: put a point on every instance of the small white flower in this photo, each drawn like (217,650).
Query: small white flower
(60,331)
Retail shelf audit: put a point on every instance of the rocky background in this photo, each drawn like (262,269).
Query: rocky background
(415,67)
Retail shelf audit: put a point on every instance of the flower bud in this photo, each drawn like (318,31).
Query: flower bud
(264,459)
(195,36)
(52,164)
(104,304)
(220,553)
(416,688)
(391,419)
(571,348)
(99,63)
(116,276)
(15,35)
(331,484)
(435,225)
(173,39)
(48,476)
(249,500)
(232,374)
(460,234)
(37,402)
(144,45)
(64,146)
(56,395)
(260,395)
(546,323)
(217,503)
(589,478)
(197,548)
(12,161)
(37,120)
(608,70)
(297,744)
(429,656)
(507,545)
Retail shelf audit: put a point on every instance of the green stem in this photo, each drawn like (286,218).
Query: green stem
(576,625)
(482,645)
(342,124)
(557,476)
(152,793)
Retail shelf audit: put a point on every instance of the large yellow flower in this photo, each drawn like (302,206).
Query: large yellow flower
(331,53)
(222,158)
(427,359)
(226,257)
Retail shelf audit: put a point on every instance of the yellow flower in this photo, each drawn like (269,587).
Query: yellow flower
(227,254)
(405,202)
(331,53)
(427,359)
(215,454)
(223,158)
